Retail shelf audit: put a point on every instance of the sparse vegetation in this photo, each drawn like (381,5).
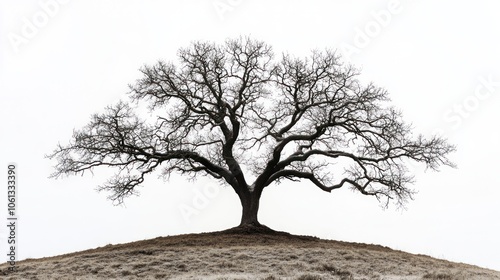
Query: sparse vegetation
(343,274)
(309,277)
(442,276)
(229,255)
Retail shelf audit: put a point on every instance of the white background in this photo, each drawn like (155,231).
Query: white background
(62,61)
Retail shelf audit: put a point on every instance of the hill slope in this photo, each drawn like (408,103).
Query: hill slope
(238,255)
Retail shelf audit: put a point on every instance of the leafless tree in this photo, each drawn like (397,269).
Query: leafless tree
(237,114)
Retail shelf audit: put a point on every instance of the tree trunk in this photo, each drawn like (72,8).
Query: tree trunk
(250,208)
(250,204)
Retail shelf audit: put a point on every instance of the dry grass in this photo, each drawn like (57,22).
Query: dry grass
(230,255)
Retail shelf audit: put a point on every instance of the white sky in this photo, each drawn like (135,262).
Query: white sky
(63,61)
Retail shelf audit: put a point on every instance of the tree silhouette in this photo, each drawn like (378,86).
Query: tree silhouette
(237,114)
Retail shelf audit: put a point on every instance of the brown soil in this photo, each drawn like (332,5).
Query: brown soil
(241,253)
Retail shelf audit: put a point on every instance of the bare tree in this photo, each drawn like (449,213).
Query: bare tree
(235,113)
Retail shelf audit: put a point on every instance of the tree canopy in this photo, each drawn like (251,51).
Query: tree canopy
(238,113)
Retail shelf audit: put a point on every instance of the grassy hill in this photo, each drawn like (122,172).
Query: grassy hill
(236,254)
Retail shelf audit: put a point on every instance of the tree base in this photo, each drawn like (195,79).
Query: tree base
(254,228)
